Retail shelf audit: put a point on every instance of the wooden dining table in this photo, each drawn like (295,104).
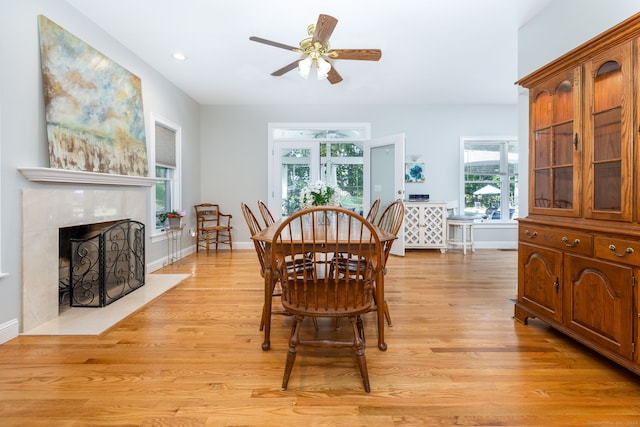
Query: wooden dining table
(266,236)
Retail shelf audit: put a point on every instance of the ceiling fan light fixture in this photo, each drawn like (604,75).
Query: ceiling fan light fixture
(323,68)
(315,49)
(304,67)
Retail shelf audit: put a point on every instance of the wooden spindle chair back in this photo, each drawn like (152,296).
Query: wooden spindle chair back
(373,211)
(267,217)
(310,233)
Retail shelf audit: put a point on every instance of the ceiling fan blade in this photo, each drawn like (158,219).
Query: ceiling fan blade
(270,43)
(286,68)
(333,76)
(324,28)
(359,54)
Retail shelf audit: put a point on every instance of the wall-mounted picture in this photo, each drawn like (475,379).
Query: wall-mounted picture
(414,172)
(93,107)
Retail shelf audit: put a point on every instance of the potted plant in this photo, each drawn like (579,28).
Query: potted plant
(319,194)
(174,217)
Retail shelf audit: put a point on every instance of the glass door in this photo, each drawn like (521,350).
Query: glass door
(304,153)
(384,176)
(556,146)
(297,165)
(608,154)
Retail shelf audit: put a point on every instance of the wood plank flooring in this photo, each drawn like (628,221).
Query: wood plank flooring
(192,357)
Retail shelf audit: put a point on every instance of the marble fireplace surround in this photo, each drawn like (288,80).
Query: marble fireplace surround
(46,209)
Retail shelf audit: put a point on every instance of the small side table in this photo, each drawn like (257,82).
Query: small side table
(174,243)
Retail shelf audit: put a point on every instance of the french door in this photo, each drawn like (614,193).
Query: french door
(384,176)
(301,154)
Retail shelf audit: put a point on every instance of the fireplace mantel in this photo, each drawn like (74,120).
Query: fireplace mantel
(80,177)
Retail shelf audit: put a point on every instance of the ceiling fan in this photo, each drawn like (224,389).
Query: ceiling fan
(315,50)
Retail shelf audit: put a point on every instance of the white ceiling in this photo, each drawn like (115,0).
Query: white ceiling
(433,51)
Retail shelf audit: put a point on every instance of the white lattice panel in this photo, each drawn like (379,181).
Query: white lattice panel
(412,225)
(434,225)
(425,224)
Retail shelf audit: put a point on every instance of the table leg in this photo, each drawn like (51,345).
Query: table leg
(380,310)
(268,297)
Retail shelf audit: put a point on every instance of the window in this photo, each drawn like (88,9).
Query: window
(490,178)
(341,164)
(167,143)
(332,153)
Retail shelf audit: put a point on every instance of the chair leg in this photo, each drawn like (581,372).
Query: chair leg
(358,343)
(384,307)
(386,313)
(360,325)
(291,354)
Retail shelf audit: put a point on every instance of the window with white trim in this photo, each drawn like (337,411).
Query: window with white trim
(306,152)
(490,178)
(167,144)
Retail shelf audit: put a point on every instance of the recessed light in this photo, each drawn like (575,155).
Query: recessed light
(179,56)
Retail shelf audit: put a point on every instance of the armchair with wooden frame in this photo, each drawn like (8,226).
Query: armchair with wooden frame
(212,227)
(298,266)
(324,293)
(390,221)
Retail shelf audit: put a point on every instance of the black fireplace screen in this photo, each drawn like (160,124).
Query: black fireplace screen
(107,266)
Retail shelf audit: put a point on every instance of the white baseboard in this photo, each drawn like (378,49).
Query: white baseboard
(495,245)
(162,262)
(244,245)
(9,330)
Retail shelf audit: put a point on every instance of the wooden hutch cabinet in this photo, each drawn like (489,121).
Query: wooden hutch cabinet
(579,246)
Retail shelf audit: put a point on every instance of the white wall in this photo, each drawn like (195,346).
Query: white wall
(23,134)
(558,29)
(565,25)
(234,144)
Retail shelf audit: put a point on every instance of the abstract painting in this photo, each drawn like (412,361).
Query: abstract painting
(93,107)
(414,172)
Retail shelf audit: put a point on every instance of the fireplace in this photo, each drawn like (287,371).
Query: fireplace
(44,212)
(100,263)
(65,235)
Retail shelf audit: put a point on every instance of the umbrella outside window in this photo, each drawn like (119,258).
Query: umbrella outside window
(491,208)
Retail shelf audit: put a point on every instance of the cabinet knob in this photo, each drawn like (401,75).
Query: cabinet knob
(529,234)
(627,251)
(575,243)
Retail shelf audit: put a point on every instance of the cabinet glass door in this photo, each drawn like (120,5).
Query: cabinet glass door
(608,154)
(555,150)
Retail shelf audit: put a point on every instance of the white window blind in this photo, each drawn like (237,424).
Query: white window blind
(165,146)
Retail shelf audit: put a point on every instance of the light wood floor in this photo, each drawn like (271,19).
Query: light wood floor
(192,357)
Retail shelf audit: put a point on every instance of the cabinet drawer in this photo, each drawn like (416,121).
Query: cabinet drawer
(566,240)
(619,250)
